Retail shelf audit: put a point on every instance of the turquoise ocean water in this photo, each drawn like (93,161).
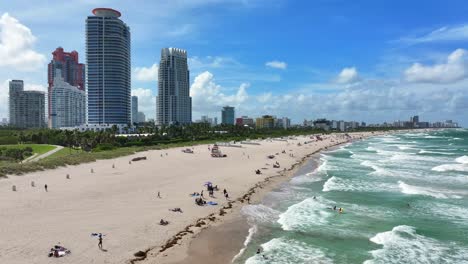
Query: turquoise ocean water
(405,200)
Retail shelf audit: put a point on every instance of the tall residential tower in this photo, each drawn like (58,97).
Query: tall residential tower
(68,104)
(26,108)
(134,109)
(173,103)
(108,68)
(71,72)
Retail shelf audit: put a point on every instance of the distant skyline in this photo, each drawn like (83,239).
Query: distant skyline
(370,61)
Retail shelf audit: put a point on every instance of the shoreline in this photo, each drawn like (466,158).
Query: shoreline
(118,198)
(173,252)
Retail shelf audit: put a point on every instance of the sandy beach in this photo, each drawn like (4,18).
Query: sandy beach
(119,199)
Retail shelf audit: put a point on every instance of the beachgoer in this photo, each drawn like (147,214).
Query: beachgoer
(227,196)
(201,193)
(224,191)
(45,187)
(100,241)
(341,210)
(334,207)
(248,200)
(159,195)
(258,251)
(315,198)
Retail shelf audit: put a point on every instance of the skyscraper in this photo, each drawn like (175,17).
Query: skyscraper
(173,103)
(108,73)
(71,70)
(227,115)
(134,109)
(26,108)
(68,104)
(141,117)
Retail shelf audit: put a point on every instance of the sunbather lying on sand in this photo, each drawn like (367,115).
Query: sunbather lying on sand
(177,209)
(163,222)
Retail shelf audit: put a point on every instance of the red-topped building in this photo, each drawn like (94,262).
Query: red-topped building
(73,72)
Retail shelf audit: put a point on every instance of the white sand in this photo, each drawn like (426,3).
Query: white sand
(122,202)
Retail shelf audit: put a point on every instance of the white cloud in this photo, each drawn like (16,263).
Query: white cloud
(16,46)
(207,96)
(277,64)
(146,101)
(211,62)
(146,74)
(455,33)
(452,71)
(347,76)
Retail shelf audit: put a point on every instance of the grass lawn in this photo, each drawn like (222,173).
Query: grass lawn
(37,148)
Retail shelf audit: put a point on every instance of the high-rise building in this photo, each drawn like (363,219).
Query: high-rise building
(108,68)
(245,121)
(26,108)
(227,115)
(265,121)
(283,122)
(135,109)
(141,117)
(72,71)
(67,104)
(173,103)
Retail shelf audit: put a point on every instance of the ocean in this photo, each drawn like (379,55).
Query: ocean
(404,198)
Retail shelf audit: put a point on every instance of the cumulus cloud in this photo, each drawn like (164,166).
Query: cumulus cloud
(454,33)
(277,64)
(347,76)
(146,74)
(452,71)
(16,46)
(207,96)
(146,101)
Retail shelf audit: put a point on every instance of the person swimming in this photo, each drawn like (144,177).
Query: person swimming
(341,210)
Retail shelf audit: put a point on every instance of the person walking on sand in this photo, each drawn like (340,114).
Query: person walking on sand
(45,187)
(159,195)
(100,241)
(226,195)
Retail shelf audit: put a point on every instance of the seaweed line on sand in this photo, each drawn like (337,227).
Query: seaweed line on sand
(206,221)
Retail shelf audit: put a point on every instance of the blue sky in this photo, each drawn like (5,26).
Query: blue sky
(369,61)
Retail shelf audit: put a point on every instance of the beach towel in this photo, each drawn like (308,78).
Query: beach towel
(212,203)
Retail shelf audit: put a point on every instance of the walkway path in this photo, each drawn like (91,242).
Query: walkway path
(36,157)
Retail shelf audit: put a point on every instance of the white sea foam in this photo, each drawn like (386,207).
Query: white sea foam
(404,245)
(377,169)
(306,178)
(454,213)
(433,152)
(249,237)
(411,189)
(433,137)
(406,147)
(304,214)
(288,251)
(260,213)
(355,185)
(462,159)
(450,167)
(461,165)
